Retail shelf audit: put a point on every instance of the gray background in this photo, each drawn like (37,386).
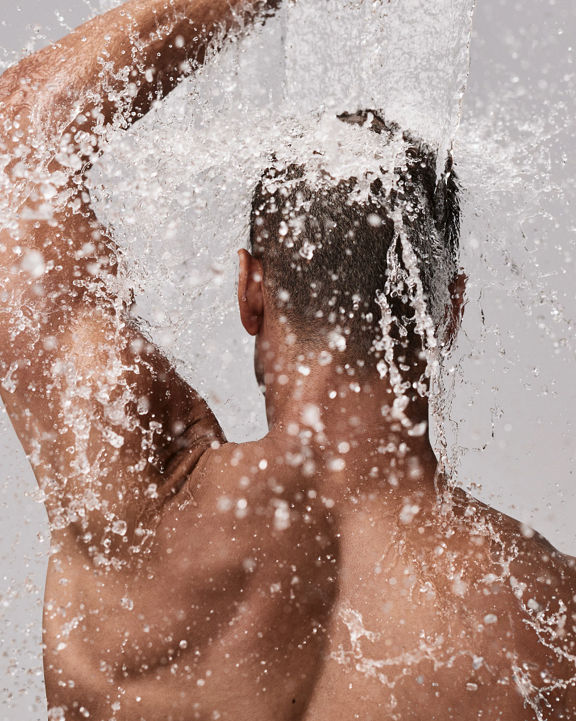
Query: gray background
(520,101)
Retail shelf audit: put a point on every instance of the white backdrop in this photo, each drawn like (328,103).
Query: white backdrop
(515,396)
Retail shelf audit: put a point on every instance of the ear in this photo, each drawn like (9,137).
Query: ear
(458,303)
(250,292)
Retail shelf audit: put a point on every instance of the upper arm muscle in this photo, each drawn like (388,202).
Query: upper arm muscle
(108,425)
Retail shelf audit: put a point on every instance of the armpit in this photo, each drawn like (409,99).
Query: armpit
(182,455)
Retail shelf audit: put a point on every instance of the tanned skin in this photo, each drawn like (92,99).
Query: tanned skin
(323,573)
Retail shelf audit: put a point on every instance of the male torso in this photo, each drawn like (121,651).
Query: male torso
(262,582)
(265,596)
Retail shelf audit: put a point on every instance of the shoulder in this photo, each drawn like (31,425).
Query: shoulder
(238,520)
(525,556)
(522,593)
(543,583)
(504,549)
(255,497)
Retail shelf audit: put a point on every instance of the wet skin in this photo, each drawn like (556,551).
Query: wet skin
(337,609)
(325,572)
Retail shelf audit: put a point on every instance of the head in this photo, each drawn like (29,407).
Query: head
(369,280)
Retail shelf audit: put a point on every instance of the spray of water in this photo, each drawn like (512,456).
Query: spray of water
(176,192)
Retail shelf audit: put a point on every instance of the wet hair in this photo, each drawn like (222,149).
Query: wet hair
(327,256)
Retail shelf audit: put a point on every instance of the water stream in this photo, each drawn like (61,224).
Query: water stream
(176,190)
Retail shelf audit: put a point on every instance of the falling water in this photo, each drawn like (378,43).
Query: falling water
(176,191)
(182,213)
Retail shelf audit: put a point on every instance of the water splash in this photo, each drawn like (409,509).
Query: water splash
(180,212)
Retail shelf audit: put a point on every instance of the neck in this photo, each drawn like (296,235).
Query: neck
(344,418)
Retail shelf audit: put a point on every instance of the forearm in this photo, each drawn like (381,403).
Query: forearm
(54,108)
(117,64)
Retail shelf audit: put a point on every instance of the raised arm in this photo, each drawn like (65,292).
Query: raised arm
(113,66)
(109,427)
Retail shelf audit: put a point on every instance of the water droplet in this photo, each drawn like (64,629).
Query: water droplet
(119,527)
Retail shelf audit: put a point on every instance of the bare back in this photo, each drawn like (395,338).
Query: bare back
(191,578)
(262,598)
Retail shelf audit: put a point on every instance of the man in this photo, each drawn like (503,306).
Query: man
(325,572)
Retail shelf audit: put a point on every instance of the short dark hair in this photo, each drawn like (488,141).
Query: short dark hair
(326,277)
